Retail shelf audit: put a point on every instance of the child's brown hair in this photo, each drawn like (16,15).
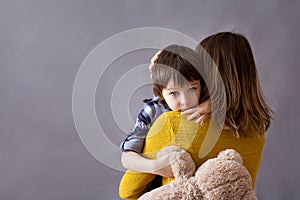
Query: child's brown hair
(180,64)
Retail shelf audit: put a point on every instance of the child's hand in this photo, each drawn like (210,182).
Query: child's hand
(200,112)
(163,167)
(153,61)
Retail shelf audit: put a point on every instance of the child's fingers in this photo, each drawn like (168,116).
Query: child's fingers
(155,57)
(193,116)
(190,111)
(153,61)
(200,119)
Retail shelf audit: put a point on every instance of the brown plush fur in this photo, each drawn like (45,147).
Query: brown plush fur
(223,177)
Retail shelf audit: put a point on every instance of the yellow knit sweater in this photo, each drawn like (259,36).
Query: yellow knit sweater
(172,128)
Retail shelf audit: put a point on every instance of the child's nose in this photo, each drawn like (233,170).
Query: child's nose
(184,100)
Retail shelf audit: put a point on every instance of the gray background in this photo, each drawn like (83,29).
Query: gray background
(43,43)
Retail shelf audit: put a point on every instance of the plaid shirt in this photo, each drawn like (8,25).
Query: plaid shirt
(134,140)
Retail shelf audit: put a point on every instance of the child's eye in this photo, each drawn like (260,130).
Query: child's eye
(174,93)
(192,89)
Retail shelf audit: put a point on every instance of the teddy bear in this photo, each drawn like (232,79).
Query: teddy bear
(223,177)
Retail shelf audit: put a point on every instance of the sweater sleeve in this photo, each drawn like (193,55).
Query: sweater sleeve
(134,184)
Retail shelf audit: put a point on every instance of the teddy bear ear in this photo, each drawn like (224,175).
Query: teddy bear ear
(230,154)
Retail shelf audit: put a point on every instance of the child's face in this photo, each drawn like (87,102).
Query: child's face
(182,98)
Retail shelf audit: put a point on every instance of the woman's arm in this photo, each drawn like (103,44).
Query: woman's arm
(134,184)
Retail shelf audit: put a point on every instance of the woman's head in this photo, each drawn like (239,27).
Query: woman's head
(176,77)
(232,54)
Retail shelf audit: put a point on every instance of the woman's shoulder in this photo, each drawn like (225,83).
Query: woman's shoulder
(173,114)
(176,119)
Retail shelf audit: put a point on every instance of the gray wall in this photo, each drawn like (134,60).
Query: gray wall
(42,45)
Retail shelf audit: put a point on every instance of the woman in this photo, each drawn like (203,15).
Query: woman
(240,116)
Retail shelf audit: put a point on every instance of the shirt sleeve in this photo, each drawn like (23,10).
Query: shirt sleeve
(134,140)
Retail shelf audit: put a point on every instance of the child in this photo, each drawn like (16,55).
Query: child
(176,66)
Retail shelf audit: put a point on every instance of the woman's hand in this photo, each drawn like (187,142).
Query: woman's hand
(199,113)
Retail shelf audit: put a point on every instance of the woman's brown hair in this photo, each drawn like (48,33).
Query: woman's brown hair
(245,108)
